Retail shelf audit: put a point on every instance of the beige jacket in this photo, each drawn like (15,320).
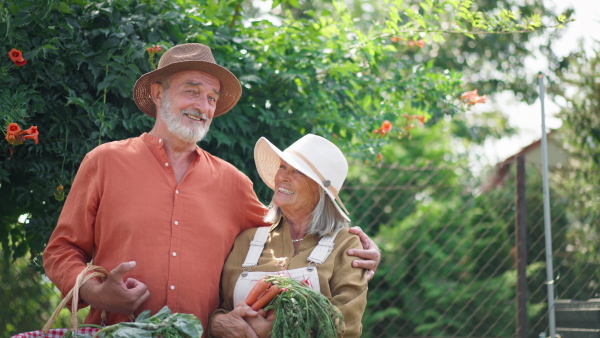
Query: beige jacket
(344,285)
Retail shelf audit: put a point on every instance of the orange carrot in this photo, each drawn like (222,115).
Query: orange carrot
(265,298)
(259,288)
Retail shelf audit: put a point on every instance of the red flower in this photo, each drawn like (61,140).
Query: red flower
(21,63)
(13,129)
(421,43)
(17,57)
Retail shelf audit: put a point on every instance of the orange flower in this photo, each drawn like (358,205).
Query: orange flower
(479,99)
(17,57)
(472,97)
(14,140)
(396,39)
(32,130)
(15,136)
(33,137)
(154,49)
(13,129)
(421,43)
(468,95)
(420,118)
(32,134)
(385,128)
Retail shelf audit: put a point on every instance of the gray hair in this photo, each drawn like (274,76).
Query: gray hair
(165,82)
(325,219)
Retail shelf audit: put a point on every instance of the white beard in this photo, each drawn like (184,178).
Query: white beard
(175,124)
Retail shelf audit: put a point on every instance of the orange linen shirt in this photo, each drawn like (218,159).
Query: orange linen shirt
(126,205)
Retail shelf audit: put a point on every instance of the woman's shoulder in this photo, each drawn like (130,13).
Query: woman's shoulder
(247,234)
(346,238)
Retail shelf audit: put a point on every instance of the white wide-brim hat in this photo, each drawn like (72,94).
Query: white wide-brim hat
(314,156)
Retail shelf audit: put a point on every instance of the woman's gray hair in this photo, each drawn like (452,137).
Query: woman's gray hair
(325,219)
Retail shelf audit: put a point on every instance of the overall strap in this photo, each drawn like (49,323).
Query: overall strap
(323,249)
(256,247)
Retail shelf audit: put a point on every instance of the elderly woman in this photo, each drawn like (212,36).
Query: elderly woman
(306,219)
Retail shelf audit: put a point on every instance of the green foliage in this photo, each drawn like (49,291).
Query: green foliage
(24,297)
(82,61)
(575,87)
(319,70)
(448,244)
(162,324)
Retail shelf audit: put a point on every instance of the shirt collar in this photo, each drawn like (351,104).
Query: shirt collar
(157,141)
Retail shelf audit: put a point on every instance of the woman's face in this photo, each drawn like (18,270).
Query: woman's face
(295,193)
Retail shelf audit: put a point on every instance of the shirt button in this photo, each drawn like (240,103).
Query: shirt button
(174,254)
(166,164)
(176,223)
(177,192)
(172,287)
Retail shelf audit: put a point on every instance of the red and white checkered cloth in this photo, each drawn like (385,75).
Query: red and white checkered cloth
(55,333)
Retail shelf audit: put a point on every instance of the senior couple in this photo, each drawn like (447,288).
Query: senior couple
(177,226)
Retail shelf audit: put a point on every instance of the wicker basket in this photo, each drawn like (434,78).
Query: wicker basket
(91,271)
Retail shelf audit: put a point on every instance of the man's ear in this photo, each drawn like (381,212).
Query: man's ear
(156,92)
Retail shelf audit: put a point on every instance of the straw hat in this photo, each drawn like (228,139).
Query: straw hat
(189,56)
(312,155)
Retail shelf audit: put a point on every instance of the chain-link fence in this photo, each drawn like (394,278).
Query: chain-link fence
(450,251)
(449,254)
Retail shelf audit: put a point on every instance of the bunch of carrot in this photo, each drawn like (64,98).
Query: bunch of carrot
(262,293)
(300,311)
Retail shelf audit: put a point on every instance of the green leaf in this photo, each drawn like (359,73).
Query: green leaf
(64,8)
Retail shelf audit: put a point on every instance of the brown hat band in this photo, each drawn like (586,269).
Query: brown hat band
(330,187)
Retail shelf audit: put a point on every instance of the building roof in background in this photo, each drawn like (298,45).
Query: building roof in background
(557,156)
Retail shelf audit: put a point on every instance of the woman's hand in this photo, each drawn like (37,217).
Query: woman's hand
(261,324)
(233,323)
(371,256)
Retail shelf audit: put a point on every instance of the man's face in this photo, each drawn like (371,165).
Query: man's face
(188,104)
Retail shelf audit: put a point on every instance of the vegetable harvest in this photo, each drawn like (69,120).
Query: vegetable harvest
(300,311)
(163,324)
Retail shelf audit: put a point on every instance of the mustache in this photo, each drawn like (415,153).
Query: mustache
(195,113)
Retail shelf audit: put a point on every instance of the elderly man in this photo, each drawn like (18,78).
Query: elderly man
(157,211)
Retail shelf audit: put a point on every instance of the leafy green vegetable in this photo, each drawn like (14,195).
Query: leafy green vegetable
(163,324)
(302,312)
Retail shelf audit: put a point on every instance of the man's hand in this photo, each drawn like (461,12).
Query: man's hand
(371,256)
(114,294)
(233,324)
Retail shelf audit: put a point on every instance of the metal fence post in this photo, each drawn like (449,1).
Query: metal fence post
(521,250)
